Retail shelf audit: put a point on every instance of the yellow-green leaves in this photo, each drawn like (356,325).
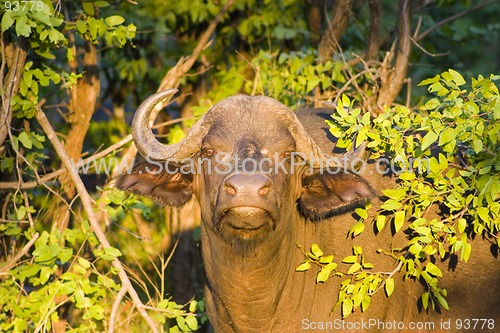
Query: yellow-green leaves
(389,286)
(428,140)
(316,256)
(453,76)
(444,154)
(303,267)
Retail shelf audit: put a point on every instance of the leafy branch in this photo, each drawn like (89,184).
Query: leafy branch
(89,209)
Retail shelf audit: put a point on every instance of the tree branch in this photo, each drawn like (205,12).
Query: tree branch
(375,24)
(52,175)
(392,79)
(115,308)
(5,268)
(14,59)
(452,18)
(336,27)
(89,209)
(172,78)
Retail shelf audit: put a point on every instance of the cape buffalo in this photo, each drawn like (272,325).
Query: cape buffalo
(259,172)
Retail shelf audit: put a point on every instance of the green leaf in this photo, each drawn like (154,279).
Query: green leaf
(323,275)
(357,228)
(483,213)
(88,8)
(316,251)
(45,274)
(354,268)
(397,194)
(112,251)
(432,104)
(447,135)
(114,20)
(350,259)
(192,305)
(462,224)
(7,21)
(391,205)
(25,140)
(326,259)
(346,307)
(425,300)
(81,26)
(442,301)
(465,254)
(477,145)
(399,219)
(83,262)
(430,80)
(192,323)
(365,303)
(457,77)
(389,286)
(101,4)
(361,212)
(415,249)
(433,269)
(22,27)
(429,139)
(303,267)
(380,222)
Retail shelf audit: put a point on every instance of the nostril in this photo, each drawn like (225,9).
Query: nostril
(230,189)
(264,190)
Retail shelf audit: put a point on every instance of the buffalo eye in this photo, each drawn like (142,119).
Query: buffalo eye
(288,154)
(207,152)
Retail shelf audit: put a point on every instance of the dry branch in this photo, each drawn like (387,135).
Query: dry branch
(14,59)
(336,26)
(452,18)
(55,174)
(89,209)
(5,268)
(392,79)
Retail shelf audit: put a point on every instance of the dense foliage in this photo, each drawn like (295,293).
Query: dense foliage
(445,153)
(87,64)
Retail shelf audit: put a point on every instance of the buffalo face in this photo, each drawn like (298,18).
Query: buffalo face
(250,163)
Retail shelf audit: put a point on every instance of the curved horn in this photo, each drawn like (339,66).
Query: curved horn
(149,146)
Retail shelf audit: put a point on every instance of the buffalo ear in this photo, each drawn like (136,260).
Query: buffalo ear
(168,186)
(325,194)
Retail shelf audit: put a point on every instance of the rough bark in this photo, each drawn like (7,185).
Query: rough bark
(375,24)
(336,26)
(392,79)
(14,57)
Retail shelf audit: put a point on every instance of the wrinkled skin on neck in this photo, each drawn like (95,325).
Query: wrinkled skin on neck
(247,270)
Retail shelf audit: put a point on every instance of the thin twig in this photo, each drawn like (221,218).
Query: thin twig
(54,174)
(89,209)
(452,18)
(389,275)
(5,268)
(114,310)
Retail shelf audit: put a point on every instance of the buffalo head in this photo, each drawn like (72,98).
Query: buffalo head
(251,164)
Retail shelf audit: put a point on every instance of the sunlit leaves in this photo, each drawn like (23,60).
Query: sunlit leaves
(389,286)
(443,154)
